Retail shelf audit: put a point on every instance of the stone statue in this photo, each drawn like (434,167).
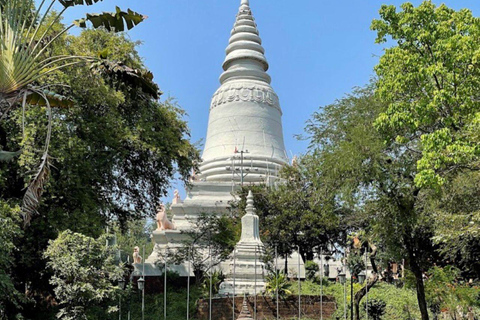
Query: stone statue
(295,161)
(162,220)
(176,197)
(136,256)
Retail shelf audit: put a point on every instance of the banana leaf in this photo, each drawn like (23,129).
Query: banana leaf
(112,21)
(71,3)
(55,100)
(134,77)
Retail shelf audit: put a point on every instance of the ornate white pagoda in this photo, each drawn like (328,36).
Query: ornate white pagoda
(244,143)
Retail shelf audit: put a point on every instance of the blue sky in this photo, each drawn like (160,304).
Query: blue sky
(318,50)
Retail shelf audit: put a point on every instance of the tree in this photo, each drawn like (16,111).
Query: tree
(210,242)
(293,215)
(446,291)
(114,154)
(456,212)
(9,230)
(85,273)
(429,79)
(376,309)
(27,36)
(373,178)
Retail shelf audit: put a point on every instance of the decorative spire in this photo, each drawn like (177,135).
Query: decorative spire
(245,314)
(250,209)
(250,223)
(245,54)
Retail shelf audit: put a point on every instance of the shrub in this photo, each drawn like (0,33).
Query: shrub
(311,269)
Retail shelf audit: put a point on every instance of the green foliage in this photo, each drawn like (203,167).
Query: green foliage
(311,268)
(277,281)
(112,21)
(314,225)
(401,303)
(446,291)
(115,152)
(356,262)
(22,65)
(428,78)
(137,233)
(217,277)
(376,309)
(212,234)
(9,231)
(84,273)
(176,305)
(457,218)
(369,181)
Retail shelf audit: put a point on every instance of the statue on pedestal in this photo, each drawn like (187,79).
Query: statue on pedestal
(137,258)
(176,197)
(162,220)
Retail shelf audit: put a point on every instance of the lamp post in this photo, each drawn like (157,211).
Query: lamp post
(141,286)
(165,288)
(188,282)
(121,286)
(276,278)
(361,277)
(321,283)
(141,283)
(234,277)
(299,286)
(351,296)
(366,286)
(343,280)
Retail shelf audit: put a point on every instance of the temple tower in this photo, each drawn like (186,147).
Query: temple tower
(244,143)
(245,113)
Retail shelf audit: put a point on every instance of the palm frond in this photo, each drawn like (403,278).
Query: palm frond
(32,197)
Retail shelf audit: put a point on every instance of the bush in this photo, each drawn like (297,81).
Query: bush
(217,279)
(278,280)
(311,269)
(376,309)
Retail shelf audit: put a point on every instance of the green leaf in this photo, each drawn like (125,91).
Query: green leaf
(112,21)
(71,3)
(135,77)
(55,100)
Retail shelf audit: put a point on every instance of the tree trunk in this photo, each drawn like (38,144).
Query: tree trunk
(198,273)
(360,294)
(417,271)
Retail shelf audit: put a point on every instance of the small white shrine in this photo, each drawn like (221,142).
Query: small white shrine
(246,274)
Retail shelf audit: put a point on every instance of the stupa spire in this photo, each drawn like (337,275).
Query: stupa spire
(250,223)
(245,55)
(245,113)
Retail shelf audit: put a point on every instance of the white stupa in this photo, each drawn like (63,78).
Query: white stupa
(247,270)
(244,143)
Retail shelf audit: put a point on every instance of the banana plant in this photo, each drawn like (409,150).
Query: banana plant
(24,40)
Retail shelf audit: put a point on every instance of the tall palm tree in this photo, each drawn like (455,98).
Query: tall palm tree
(24,40)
